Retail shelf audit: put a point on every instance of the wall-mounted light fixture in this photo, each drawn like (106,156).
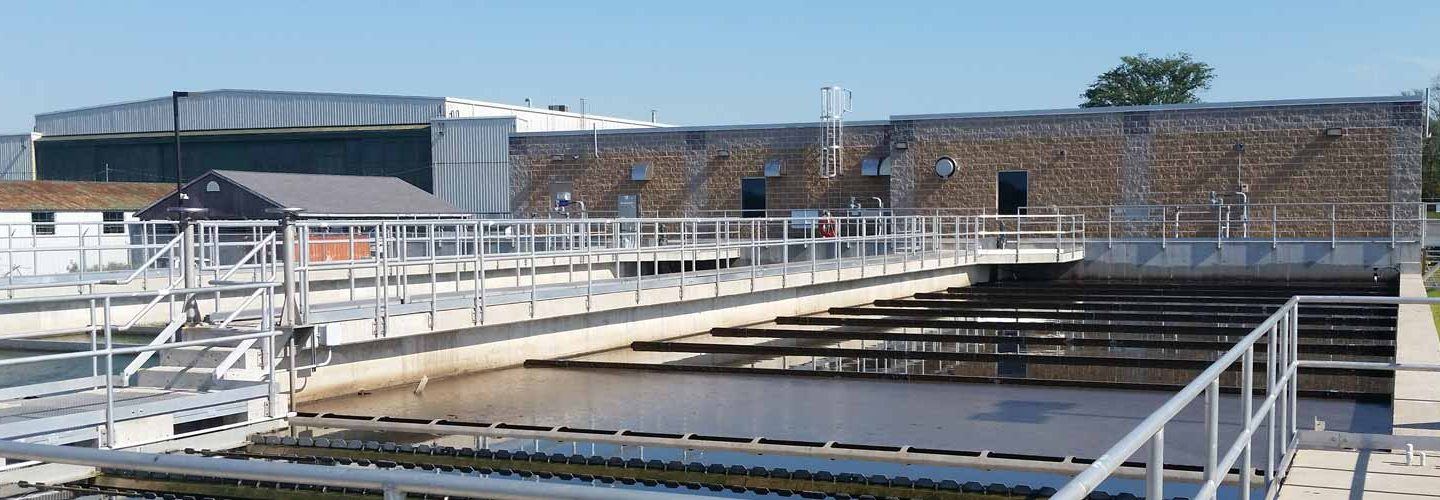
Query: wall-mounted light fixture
(1239,147)
(1060,153)
(901,145)
(945,167)
(1335,132)
(722,153)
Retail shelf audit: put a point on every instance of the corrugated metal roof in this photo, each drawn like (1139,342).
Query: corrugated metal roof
(321,195)
(75,196)
(258,109)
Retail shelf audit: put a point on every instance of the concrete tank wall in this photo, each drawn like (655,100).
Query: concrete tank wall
(1255,261)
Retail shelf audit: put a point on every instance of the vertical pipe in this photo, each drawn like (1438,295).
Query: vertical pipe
(290,312)
(191,270)
(1332,226)
(1155,467)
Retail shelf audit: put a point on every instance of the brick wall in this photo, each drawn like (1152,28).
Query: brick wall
(1155,155)
(688,172)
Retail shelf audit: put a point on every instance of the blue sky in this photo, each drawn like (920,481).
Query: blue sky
(707,62)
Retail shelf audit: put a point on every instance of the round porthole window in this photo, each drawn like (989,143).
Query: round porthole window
(944,167)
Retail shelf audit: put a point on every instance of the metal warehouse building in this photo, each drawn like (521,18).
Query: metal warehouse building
(455,148)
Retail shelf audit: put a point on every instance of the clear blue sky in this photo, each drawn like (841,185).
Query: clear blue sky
(702,62)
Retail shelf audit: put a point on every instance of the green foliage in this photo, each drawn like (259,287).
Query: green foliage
(1430,152)
(1141,79)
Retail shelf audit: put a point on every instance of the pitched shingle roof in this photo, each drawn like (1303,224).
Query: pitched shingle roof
(321,194)
(75,196)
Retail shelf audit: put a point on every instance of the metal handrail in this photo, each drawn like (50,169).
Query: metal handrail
(168,248)
(1282,372)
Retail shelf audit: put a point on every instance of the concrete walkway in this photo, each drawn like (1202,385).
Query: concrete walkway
(1333,474)
(1373,474)
(1417,394)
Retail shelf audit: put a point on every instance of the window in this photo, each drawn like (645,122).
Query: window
(113,217)
(44,223)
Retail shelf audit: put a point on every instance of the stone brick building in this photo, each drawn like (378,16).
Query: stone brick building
(1296,151)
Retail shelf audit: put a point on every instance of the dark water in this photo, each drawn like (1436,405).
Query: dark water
(1019,419)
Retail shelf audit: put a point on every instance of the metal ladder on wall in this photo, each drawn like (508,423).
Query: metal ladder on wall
(834,103)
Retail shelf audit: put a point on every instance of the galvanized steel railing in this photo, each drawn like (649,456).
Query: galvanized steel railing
(462,257)
(1249,223)
(1275,415)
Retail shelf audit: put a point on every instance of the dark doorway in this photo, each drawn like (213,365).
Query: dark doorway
(752,197)
(1012,191)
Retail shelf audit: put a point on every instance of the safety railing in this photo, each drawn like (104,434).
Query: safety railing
(1275,415)
(76,255)
(1251,223)
(107,313)
(423,261)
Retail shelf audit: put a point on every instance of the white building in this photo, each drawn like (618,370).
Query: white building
(49,227)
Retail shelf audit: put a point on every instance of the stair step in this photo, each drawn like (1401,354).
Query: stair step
(195,379)
(208,357)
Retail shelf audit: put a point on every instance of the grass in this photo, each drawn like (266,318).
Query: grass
(1435,309)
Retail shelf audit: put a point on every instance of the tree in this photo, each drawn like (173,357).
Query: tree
(1430,151)
(1141,79)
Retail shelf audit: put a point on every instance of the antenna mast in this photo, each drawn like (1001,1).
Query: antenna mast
(834,103)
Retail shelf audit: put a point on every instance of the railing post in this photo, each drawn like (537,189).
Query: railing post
(956,238)
(1155,467)
(480,272)
(1270,363)
(716,227)
(814,251)
(533,286)
(1281,353)
(863,242)
(784,252)
(1294,360)
(109,379)
(1212,432)
(589,265)
(754,251)
(639,271)
(1247,395)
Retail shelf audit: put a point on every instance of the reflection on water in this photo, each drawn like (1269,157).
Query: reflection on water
(1022,419)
